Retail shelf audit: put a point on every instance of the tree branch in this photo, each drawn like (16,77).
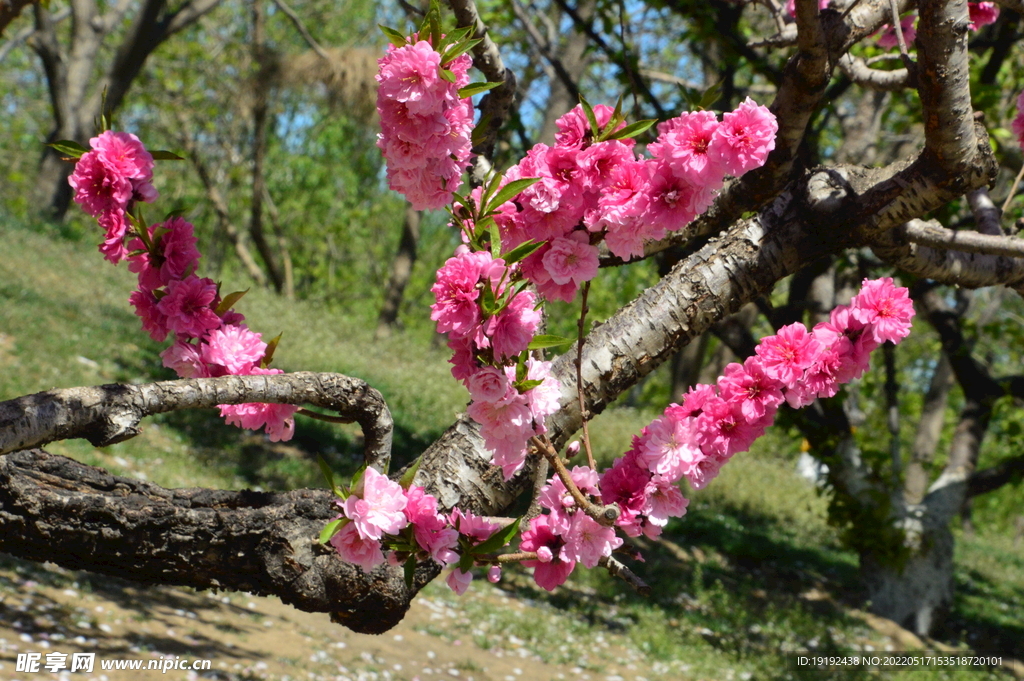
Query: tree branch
(495,105)
(58,510)
(9,11)
(857,70)
(991,479)
(936,236)
(108,414)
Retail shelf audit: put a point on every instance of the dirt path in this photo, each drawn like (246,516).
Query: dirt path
(49,610)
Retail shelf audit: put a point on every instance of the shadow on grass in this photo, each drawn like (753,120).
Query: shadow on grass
(986,615)
(282,466)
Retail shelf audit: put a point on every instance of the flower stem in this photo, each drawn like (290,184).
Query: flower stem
(605,515)
(584,413)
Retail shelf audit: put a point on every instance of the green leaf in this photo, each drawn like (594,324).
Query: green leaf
(747,215)
(176,213)
(396,38)
(487,302)
(633,129)
(268,356)
(69,147)
(588,111)
(521,369)
(331,529)
(164,155)
(329,476)
(547,341)
(466,561)
(497,540)
(229,301)
(509,191)
(410,571)
(447,75)
(475,89)
(710,95)
(357,480)
(407,477)
(527,385)
(459,49)
(522,251)
(495,238)
(479,133)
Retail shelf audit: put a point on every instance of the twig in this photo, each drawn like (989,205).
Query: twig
(898,28)
(617,569)
(935,236)
(584,414)
(1013,189)
(516,557)
(606,515)
(301,28)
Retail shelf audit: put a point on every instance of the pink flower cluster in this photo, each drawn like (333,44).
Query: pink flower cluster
(425,125)
(564,535)
(1018,122)
(170,297)
(378,509)
(487,348)
(694,439)
(981,14)
(117,172)
(592,191)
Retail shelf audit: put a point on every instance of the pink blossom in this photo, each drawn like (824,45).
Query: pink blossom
(791,6)
(114,226)
(574,128)
(473,526)
(178,248)
(126,157)
(572,259)
(458,581)
(544,398)
(488,384)
(507,418)
(598,161)
(512,330)
(98,188)
(183,357)
(668,446)
(354,548)
(744,138)
(187,306)
(588,541)
(554,495)
(154,322)
(376,506)
(625,484)
(888,39)
(683,145)
(787,354)
(278,420)
(723,431)
(885,308)
(672,202)
(551,569)
(235,348)
(411,75)
(982,14)
(456,291)
(750,386)
(464,362)
(494,574)
(664,501)
(694,401)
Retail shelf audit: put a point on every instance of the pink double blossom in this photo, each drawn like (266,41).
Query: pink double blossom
(377,506)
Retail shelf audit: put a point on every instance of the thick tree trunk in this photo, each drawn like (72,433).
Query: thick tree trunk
(401,271)
(918,594)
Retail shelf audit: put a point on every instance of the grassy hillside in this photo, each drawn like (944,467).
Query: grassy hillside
(752,573)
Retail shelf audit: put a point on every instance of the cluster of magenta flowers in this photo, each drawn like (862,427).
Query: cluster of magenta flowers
(425,121)
(980,14)
(210,338)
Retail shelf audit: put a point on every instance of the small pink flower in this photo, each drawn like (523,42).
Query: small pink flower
(458,581)
(683,144)
(512,330)
(887,309)
(750,386)
(787,354)
(97,187)
(376,506)
(489,384)
(982,14)
(154,322)
(187,306)
(494,574)
(744,139)
(235,348)
(183,357)
(551,569)
(588,541)
(571,259)
(664,501)
(353,548)
(473,526)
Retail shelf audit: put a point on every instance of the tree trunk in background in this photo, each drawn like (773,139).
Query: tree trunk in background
(401,271)
(259,150)
(573,58)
